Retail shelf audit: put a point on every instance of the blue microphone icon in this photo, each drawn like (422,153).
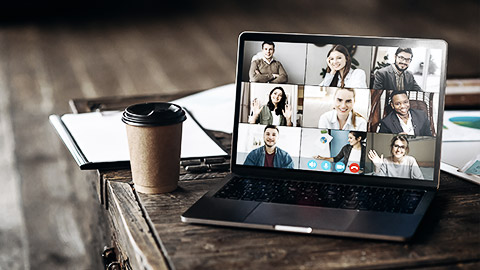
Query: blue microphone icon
(326,166)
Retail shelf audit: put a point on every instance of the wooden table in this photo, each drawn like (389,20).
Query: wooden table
(147,232)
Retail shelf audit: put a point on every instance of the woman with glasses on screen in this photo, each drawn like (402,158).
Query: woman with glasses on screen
(340,72)
(276,112)
(343,115)
(399,164)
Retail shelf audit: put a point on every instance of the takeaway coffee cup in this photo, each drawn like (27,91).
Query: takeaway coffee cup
(154,132)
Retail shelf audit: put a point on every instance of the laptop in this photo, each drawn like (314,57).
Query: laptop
(333,135)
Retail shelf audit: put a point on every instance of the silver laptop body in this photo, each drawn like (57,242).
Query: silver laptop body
(313,146)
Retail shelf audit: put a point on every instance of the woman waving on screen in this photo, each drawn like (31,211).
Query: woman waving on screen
(399,164)
(276,112)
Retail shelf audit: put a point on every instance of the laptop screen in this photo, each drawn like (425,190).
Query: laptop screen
(340,105)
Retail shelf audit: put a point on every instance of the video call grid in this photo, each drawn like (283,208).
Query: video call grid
(368,108)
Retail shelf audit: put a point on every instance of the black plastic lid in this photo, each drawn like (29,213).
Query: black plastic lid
(153,114)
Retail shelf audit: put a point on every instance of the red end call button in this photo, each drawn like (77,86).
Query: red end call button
(354,168)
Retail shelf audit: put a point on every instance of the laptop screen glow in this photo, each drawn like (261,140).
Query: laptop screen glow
(340,107)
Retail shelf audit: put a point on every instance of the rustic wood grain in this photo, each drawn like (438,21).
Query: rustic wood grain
(465,266)
(134,236)
(58,232)
(125,176)
(13,244)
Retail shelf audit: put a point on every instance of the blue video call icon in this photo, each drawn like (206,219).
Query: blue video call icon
(340,166)
(326,166)
(312,164)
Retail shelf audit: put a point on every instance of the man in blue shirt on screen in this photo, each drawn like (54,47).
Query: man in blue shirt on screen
(269,155)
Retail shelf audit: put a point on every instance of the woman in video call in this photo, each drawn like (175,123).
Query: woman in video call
(398,164)
(276,112)
(353,152)
(343,116)
(340,72)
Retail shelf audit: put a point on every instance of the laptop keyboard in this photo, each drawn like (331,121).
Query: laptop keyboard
(368,198)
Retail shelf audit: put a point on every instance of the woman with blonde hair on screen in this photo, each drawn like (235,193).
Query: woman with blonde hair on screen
(343,116)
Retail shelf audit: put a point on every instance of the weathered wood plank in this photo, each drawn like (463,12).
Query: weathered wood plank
(87,57)
(13,235)
(134,236)
(465,266)
(64,232)
(147,73)
(125,176)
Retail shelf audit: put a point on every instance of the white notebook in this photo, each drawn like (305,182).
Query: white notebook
(99,140)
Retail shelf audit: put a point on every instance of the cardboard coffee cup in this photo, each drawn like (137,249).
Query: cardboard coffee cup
(154,133)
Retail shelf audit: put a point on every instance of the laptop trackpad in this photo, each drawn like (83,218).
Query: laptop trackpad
(302,216)
(220,209)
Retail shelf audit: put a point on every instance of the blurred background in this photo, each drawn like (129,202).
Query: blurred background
(53,51)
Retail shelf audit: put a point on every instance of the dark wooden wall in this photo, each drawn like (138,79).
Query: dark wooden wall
(49,217)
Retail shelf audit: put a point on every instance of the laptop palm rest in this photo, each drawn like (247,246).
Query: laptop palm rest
(302,216)
(220,209)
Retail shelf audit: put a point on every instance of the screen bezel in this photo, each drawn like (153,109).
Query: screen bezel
(345,40)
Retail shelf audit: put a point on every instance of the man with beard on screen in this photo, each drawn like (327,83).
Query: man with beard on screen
(396,76)
(269,155)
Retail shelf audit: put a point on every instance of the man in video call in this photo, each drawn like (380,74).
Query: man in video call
(403,120)
(396,76)
(267,69)
(269,155)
